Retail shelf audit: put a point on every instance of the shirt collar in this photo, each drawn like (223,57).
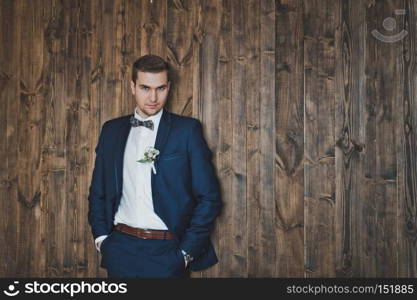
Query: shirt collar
(155,118)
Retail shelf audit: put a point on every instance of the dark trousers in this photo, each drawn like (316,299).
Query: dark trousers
(127,256)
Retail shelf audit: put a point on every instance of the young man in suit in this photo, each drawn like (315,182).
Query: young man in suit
(154,194)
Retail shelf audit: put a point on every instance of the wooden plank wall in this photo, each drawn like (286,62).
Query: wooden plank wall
(311,118)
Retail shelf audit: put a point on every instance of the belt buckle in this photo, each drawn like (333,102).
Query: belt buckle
(146,230)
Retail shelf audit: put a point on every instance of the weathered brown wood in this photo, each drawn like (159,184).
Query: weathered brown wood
(261,143)
(237,263)
(30,138)
(153,27)
(406,150)
(258,240)
(130,50)
(10,73)
(216,56)
(379,181)
(110,54)
(206,89)
(97,96)
(349,134)
(83,150)
(319,73)
(289,140)
(4,80)
(56,213)
(311,120)
(182,49)
(72,139)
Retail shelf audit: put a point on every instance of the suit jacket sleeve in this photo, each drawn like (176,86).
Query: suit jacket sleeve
(206,192)
(96,212)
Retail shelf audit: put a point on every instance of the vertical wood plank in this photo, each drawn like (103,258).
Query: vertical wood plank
(205,60)
(267,197)
(321,20)
(71,83)
(110,58)
(350,136)
(256,218)
(379,252)
(153,27)
(82,240)
(130,51)
(289,135)
(222,84)
(30,140)
(4,87)
(260,95)
(182,47)
(406,149)
(55,218)
(238,207)
(97,94)
(9,92)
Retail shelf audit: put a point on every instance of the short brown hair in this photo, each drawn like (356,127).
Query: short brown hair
(149,63)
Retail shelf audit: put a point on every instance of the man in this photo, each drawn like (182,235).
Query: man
(154,194)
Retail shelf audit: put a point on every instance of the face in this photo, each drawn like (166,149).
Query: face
(151,92)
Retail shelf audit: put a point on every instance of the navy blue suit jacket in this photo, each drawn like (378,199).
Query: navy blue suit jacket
(185,188)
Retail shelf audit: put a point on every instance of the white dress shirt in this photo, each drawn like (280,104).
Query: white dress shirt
(136,204)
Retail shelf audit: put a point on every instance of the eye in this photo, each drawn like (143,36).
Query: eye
(162,88)
(145,88)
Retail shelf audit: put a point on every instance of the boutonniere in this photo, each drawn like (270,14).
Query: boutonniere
(149,156)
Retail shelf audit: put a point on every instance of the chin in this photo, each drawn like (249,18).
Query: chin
(151,111)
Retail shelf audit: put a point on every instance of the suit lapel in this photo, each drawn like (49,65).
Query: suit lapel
(163,131)
(118,162)
(161,138)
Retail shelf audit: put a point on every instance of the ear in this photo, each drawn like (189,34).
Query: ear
(132,87)
(168,85)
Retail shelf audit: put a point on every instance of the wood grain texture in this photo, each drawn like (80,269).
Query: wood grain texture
(311,119)
(207,89)
(319,87)
(153,26)
(238,238)
(30,138)
(379,181)
(219,107)
(182,51)
(350,136)
(289,139)
(255,148)
(266,211)
(406,149)
(10,73)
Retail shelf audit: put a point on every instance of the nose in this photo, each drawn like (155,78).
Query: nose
(153,96)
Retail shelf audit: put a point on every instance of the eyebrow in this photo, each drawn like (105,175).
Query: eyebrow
(146,86)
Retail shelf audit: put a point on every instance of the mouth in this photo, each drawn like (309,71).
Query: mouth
(152,106)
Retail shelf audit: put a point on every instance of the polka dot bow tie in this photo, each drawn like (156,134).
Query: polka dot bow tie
(135,123)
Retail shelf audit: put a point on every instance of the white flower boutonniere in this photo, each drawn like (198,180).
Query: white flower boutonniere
(149,156)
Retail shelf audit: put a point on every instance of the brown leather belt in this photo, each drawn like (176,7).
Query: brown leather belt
(145,233)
